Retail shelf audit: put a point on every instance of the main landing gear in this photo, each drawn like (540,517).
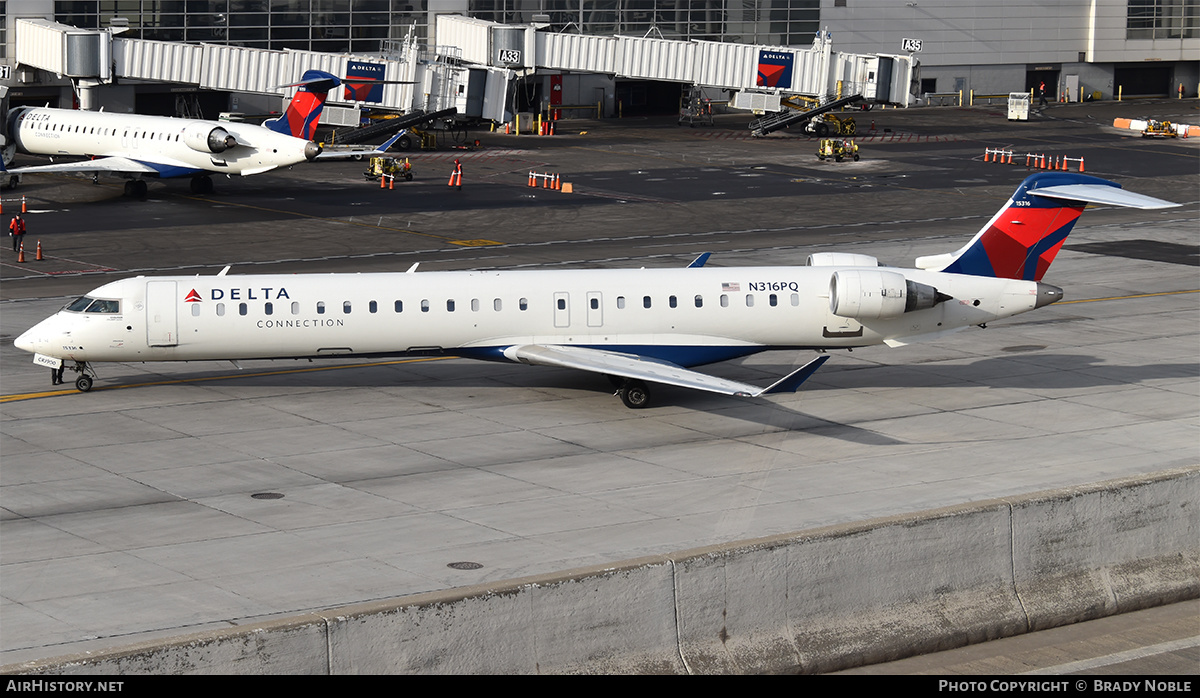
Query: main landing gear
(633,392)
(202,184)
(136,189)
(86,375)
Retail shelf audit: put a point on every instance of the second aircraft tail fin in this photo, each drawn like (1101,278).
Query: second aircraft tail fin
(304,112)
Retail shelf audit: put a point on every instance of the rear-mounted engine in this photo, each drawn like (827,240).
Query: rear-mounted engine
(208,139)
(870,294)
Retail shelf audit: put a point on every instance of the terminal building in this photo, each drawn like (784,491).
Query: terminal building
(1080,49)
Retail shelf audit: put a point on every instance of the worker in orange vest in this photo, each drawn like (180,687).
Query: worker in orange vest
(17,230)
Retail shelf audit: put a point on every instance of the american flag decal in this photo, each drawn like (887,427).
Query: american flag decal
(735,286)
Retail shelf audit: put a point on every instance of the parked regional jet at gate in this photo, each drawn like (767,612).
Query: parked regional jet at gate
(136,146)
(637,326)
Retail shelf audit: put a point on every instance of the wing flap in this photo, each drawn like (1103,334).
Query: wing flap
(652,370)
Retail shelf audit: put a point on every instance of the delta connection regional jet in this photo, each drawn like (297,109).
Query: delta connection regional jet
(137,146)
(637,326)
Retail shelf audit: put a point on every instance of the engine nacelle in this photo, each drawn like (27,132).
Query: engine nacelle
(869,294)
(208,139)
(841,259)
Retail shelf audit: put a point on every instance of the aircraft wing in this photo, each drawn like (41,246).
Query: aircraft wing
(107,164)
(652,370)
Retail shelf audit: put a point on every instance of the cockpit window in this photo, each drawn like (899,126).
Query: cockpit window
(80,304)
(84,304)
(103,306)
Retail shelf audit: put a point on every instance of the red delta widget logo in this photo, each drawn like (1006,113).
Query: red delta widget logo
(775,69)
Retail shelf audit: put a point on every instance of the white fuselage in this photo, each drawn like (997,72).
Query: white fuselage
(159,141)
(687,316)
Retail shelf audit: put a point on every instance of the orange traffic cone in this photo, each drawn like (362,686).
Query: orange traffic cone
(21,254)
(382,177)
(38,258)
(392,183)
(1081,164)
(987,154)
(22,204)
(532,181)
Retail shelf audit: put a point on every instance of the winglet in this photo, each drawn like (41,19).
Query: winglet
(791,382)
(699,261)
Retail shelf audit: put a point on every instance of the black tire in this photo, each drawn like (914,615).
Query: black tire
(403,143)
(635,394)
(83,383)
(822,130)
(856,157)
(407,176)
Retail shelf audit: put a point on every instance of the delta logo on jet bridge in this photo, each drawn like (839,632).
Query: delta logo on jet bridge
(775,69)
(371,91)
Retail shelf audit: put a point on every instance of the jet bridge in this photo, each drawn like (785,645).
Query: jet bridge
(423,80)
(759,77)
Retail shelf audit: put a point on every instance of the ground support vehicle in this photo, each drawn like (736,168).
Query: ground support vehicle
(837,148)
(1159,129)
(385,166)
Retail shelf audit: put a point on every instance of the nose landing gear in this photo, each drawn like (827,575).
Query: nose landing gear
(86,375)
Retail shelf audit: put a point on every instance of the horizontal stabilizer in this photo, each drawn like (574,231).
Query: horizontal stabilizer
(646,369)
(1102,194)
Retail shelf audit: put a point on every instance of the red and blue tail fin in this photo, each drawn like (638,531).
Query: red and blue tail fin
(304,112)
(1021,240)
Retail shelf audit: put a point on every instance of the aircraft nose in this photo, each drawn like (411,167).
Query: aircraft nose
(26,341)
(311,151)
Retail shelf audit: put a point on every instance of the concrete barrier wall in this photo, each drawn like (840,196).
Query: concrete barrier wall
(813,601)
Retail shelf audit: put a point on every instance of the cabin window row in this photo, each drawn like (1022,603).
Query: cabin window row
(773,300)
(322,308)
(98,130)
(697,300)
